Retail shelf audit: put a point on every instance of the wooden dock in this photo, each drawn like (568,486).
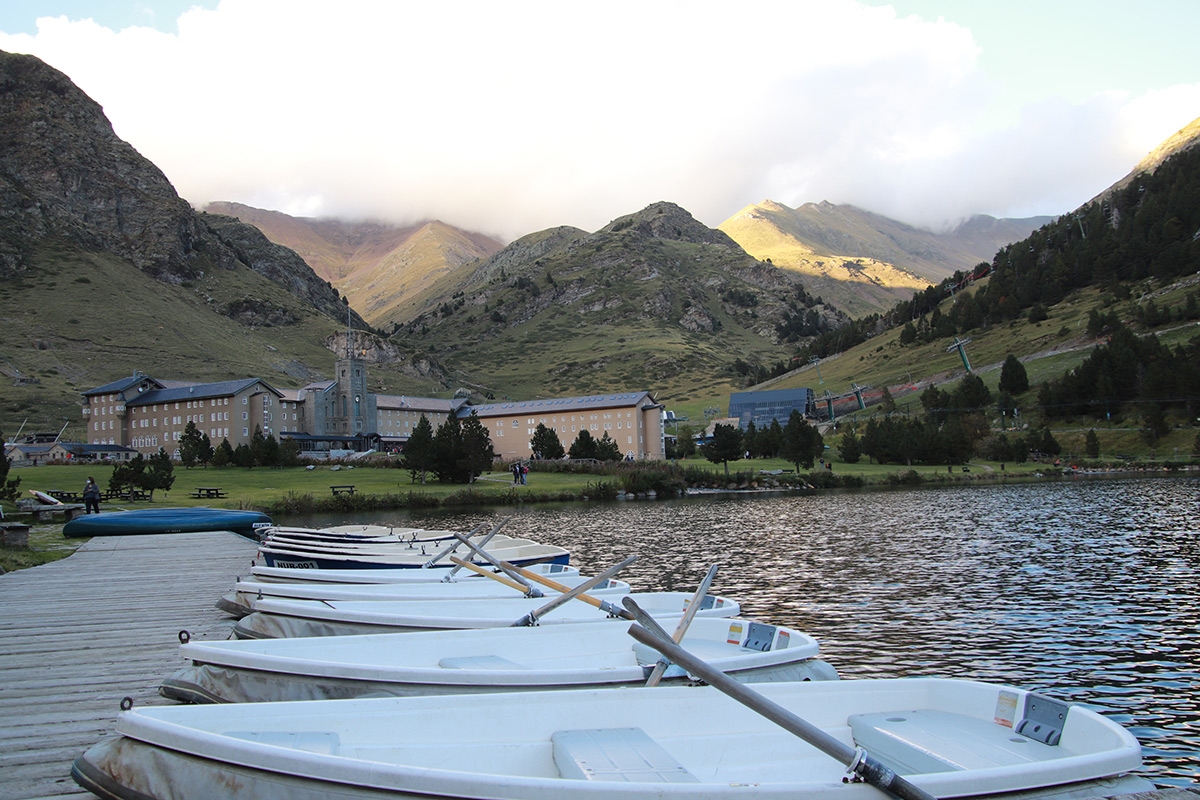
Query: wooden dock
(78,635)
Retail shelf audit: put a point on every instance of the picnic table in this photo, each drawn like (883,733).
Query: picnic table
(66,497)
(208,492)
(343,489)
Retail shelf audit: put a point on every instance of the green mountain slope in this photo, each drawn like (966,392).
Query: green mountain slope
(655,300)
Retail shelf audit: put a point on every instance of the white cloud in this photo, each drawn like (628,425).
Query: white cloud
(513,117)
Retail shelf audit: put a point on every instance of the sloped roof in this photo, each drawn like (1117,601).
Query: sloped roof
(409,403)
(121,384)
(559,405)
(198,391)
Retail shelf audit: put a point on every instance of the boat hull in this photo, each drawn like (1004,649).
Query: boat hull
(553,657)
(276,618)
(521,556)
(167,520)
(527,746)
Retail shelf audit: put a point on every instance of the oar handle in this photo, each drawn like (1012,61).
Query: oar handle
(568,593)
(520,587)
(685,621)
(862,764)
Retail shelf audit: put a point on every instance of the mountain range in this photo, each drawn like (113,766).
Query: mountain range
(107,270)
(856,260)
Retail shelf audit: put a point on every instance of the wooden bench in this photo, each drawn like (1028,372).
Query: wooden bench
(346,489)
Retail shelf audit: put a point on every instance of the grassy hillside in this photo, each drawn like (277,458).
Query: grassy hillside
(79,320)
(629,307)
(1047,349)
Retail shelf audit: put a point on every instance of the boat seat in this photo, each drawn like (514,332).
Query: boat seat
(625,755)
(479,662)
(321,742)
(916,742)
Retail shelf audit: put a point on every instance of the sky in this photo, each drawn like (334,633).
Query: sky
(512,117)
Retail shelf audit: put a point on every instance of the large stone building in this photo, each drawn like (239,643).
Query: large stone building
(337,417)
(633,420)
(145,414)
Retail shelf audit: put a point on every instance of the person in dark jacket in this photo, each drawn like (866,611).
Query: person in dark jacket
(91,496)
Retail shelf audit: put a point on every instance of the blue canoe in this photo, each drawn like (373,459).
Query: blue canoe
(166,520)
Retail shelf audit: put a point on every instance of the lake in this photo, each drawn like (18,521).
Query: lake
(1084,589)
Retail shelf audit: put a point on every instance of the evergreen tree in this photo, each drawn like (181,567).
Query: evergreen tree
(750,442)
(851,450)
(289,452)
(584,446)
(159,473)
(971,394)
(8,487)
(889,403)
(258,444)
(1013,378)
(206,450)
(222,454)
(269,454)
(545,444)
(770,439)
(724,446)
(477,450)
(127,474)
(871,441)
(243,456)
(191,445)
(685,443)
(447,450)
(1091,444)
(607,449)
(801,442)
(417,457)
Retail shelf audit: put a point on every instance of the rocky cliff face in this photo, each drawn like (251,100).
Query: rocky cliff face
(65,175)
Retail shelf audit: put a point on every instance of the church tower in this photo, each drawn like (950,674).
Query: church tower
(354,407)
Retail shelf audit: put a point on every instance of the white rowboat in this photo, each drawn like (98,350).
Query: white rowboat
(432,574)
(277,617)
(468,661)
(950,738)
(245,594)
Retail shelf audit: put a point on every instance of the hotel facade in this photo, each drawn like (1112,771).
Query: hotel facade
(339,417)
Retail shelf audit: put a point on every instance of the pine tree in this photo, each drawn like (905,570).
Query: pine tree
(1013,377)
(607,449)
(851,450)
(1091,444)
(417,457)
(545,444)
(191,445)
(724,446)
(478,453)
(584,446)
(8,487)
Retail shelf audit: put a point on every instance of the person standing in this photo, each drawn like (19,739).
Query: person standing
(91,496)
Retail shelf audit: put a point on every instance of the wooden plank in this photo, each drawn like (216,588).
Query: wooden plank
(79,634)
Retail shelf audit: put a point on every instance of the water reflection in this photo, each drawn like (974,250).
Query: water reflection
(1084,589)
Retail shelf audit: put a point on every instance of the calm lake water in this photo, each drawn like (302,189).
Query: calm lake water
(1088,590)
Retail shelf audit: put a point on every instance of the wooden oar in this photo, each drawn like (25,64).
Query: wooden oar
(856,759)
(433,561)
(684,622)
(603,605)
(578,592)
(523,588)
(530,590)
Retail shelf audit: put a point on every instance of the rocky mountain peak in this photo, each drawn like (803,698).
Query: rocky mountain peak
(65,174)
(665,220)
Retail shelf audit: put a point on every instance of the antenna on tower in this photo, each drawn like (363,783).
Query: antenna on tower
(961,344)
